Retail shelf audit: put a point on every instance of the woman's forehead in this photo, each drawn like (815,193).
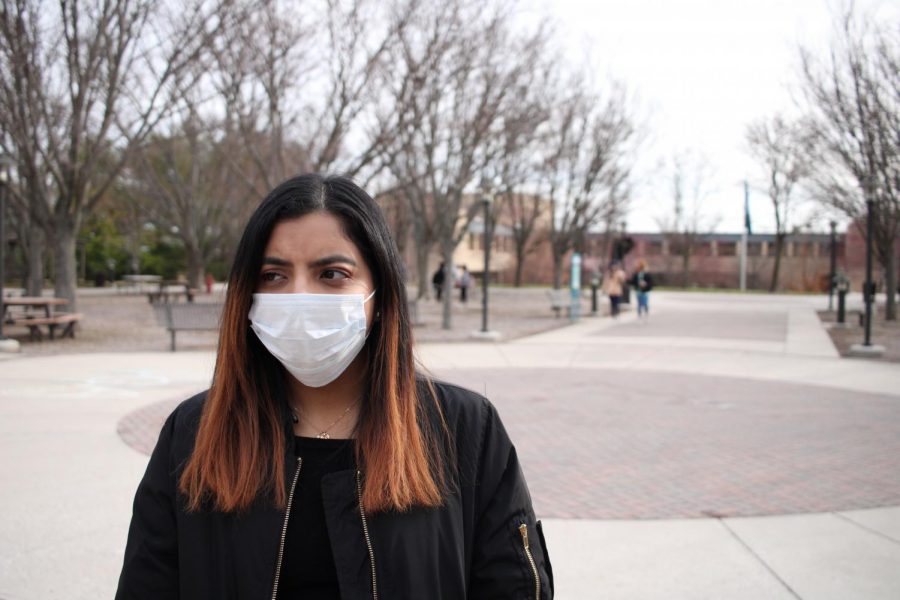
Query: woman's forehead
(310,235)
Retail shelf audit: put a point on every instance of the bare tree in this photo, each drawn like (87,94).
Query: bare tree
(853,99)
(179,181)
(782,150)
(526,212)
(30,241)
(82,85)
(299,83)
(524,128)
(690,217)
(586,166)
(460,68)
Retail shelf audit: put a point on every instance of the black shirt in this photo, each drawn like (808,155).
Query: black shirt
(308,569)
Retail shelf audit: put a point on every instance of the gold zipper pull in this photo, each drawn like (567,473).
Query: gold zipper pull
(523,530)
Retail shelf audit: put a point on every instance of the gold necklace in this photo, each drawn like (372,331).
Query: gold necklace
(323,434)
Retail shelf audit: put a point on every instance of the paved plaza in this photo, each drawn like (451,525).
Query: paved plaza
(720,450)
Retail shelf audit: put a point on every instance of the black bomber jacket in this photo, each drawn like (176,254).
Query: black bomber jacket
(484,542)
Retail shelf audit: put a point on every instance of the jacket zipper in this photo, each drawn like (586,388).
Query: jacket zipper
(523,531)
(287,515)
(365,525)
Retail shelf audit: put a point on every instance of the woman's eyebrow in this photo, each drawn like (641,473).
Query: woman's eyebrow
(275,261)
(332,259)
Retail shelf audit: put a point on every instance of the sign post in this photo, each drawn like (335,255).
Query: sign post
(575,287)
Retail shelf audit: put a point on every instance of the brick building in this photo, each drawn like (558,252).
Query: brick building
(714,260)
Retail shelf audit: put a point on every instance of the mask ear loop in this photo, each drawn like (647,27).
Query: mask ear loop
(377,312)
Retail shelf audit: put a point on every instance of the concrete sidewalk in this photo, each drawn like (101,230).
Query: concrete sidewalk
(652,422)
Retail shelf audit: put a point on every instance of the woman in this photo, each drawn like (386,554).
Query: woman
(320,464)
(614,286)
(642,282)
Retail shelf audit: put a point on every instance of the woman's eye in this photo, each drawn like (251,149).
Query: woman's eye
(271,276)
(333,274)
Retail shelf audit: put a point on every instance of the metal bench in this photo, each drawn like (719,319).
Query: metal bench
(169,295)
(188,317)
(559,300)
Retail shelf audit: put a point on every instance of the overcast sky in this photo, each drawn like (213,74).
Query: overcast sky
(701,70)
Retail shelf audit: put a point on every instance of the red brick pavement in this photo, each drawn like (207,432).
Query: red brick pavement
(642,445)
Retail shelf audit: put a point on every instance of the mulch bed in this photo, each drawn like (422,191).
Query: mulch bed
(884,333)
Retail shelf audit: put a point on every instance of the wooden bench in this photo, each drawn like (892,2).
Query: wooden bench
(188,317)
(65,320)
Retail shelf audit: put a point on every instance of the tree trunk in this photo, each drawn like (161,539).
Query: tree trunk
(134,250)
(520,265)
(424,282)
(447,255)
(37,245)
(685,265)
(557,270)
(779,249)
(195,267)
(64,281)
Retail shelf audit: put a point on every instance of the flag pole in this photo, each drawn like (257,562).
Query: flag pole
(744,230)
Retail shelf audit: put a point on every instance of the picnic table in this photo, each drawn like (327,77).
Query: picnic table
(138,283)
(171,291)
(36,311)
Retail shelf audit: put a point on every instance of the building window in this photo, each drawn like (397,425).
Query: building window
(653,248)
(727,248)
(677,247)
(754,249)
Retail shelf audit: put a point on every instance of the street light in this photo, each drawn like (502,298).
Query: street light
(869,296)
(487,201)
(867,348)
(833,272)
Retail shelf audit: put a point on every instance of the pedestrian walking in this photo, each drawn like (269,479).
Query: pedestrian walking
(464,282)
(613,286)
(320,463)
(642,282)
(437,282)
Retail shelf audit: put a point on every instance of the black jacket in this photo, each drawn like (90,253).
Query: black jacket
(635,283)
(472,547)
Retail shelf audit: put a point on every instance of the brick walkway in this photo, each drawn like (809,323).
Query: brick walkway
(611,445)
(720,405)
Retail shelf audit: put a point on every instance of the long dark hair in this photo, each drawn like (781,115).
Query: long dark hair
(242,437)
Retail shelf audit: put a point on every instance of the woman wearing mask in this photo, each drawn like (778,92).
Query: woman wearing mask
(320,464)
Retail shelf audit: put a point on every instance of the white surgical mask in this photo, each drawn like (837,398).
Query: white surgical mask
(315,336)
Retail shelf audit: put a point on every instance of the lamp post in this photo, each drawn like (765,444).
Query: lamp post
(833,272)
(869,296)
(867,348)
(487,201)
